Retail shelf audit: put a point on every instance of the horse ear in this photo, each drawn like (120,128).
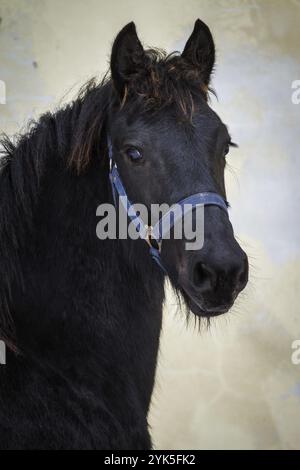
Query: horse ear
(127,57)
(199,50)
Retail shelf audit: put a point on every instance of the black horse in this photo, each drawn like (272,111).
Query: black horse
(81,317)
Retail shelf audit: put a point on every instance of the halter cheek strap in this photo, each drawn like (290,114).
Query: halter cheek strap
(154,235)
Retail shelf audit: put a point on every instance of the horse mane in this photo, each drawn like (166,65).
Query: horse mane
(20,170)
(23,163)
(167,79)
(71,136)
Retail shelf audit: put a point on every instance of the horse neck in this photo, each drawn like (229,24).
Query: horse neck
(76,292)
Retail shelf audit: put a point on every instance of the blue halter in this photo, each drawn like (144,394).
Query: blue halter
(154,235)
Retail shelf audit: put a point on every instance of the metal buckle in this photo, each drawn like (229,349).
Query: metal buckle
(149,238)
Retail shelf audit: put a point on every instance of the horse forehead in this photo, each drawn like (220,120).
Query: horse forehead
(203,122)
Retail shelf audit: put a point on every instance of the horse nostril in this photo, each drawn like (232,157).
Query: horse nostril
(210,278)
(204,277)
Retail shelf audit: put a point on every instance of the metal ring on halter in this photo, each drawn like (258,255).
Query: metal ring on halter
(150,238)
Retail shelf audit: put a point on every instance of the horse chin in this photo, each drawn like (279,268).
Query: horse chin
(197,309)
(198,306)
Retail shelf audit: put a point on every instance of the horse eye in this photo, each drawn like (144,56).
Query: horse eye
(134,153)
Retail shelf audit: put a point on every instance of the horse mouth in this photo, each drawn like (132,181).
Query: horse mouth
(201,310)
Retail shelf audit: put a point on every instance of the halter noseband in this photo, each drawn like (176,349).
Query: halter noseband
(154,235)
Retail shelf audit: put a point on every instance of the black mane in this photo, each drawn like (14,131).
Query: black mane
(61,291)
(24,162)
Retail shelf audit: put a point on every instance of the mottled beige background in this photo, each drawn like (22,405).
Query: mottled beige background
(234,386)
